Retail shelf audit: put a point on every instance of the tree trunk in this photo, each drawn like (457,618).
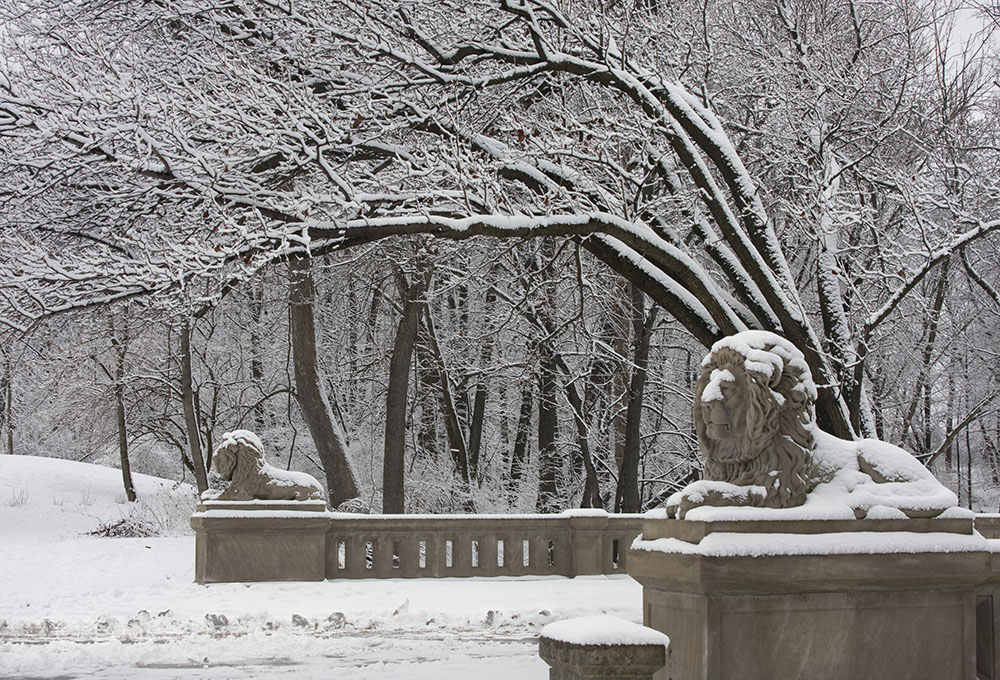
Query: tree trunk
(627,495)
(968,459)
(617,328)
(548,463)
(591,486)
(519,455)
(119,388)
(479,394)
(256,304)
(922,388)
(427,396)
(7,410)
(949,427)
(453,426)
(190,417)
(341,481)
(393,465)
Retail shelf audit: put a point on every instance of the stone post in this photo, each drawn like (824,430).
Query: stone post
(260,541)
(586,530)
(601,648)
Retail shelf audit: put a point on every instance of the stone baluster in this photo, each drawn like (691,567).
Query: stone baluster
(355,546)
(409,556)
(513,554)
(488,555)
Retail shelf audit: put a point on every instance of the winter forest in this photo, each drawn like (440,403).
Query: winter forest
(467,255)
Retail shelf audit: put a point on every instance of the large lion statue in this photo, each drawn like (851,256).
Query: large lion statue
(755,421)
(240,460)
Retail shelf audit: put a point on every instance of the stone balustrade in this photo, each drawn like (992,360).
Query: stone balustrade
(268,541)
(275,541)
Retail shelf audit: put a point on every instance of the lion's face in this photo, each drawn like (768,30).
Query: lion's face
(724,396)
(225,462)
(723,405)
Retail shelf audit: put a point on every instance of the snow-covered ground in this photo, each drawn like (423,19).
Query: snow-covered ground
(81,606)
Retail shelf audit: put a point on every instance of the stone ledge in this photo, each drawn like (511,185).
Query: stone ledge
(213,505)
(766,574)
(693,531)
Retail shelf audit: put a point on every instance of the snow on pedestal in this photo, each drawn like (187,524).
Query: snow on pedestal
(603,630)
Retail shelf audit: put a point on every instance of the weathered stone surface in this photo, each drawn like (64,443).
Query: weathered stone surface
(237,548)
(261,505)
(573,661)
(807,573)
(877,615)
(752,411)
(988,620)
(693,531)
(858,635)
(988,525)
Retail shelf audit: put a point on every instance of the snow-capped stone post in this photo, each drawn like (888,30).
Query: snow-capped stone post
(801,554)
(602,648)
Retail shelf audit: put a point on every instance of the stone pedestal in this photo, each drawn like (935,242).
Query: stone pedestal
(865,599)
(601,648)
(988,607)
(260,541)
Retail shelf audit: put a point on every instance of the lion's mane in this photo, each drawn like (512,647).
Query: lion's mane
(774,449)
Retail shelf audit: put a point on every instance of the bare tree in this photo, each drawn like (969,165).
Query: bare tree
(313,402)
(744,166)
(7,393)
(412,291)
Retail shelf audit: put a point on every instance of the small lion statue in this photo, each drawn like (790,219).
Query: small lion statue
(240,460)
(755,421)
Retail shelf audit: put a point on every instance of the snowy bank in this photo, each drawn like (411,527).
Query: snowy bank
(128,607)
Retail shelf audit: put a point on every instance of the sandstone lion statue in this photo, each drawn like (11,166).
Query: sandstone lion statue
(240,460)
(755,421)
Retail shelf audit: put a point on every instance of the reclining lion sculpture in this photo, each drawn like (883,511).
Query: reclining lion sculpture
(240,460)
(755,421)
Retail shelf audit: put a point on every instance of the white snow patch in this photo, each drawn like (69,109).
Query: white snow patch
(603,630)
(696,492)
(245,436)
(884,512)
(45,499)
(765,354)
(713,390)
(584,512)
(908,485)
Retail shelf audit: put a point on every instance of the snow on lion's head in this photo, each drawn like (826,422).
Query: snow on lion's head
(753,414)
(241,455)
